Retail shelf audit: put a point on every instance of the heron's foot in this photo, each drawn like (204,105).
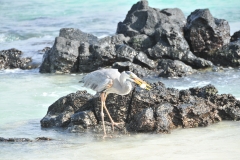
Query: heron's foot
(117,125)
(107,136)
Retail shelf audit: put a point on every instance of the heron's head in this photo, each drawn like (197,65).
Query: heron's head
(134,78)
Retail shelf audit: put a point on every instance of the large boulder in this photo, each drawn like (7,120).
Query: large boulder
(206,34)
(62,57)
(12,58)
(142,19)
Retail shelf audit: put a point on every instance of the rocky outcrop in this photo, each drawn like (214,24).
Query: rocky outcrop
(159,110)
(12,58)
(159,33)
(64,57)
(206,34)
(146,37)
(137,41)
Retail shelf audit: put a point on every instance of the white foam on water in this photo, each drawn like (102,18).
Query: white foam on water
(30,47)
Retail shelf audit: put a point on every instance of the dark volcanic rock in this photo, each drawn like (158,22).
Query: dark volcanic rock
(117,105)
(77,35)
(235,36)
(12,58)
(159,33)
(65,56)
(143,60)
(228,55)
(228,106)
(174,68)
(205,33)
(143,121)
(142,19)
(43,139)
(141,42)
(62,57)
(81,121)
(163,118)
(59,113)
(158,110)
(125,53)
(85,118)
(102,54)
(15,139)
(24,139)
(87,60)
(204,92)
(116,39)
(162,50)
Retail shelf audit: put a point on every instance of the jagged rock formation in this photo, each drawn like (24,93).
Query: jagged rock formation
(159,110)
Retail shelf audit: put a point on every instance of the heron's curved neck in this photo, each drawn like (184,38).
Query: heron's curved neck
(126,85)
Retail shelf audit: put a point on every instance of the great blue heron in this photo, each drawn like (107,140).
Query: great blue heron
(105,81)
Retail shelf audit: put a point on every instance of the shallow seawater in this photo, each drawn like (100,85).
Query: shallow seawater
(218,141)
(26,95)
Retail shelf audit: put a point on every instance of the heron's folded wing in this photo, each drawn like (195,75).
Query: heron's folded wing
(97,81)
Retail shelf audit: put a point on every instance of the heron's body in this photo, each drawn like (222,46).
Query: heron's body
(100,79)
(107,81)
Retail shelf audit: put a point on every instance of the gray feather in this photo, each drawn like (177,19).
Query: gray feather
(98,80)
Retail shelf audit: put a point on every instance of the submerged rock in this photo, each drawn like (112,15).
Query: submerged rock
(15,139)
(25,139)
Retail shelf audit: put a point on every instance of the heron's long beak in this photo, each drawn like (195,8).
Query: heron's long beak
(142,83)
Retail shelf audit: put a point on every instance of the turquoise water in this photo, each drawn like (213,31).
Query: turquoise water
(25,95)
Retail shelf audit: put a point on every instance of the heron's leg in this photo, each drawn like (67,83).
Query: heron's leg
(104,105)
(102,114)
